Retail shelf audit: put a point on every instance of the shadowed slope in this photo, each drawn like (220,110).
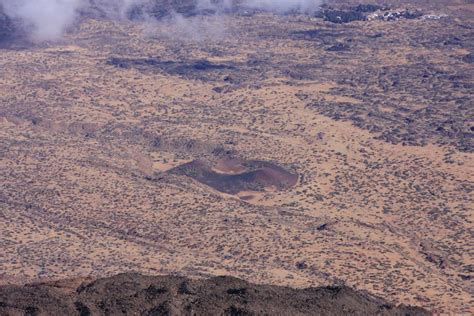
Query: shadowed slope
(6,26)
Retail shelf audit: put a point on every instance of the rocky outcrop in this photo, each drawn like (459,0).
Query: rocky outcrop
(135,294)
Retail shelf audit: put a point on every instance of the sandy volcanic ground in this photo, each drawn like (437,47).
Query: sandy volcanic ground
(374,117)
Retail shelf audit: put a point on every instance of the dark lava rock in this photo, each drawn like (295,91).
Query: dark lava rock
(361,12)
(376,35)
(130,294)
(151,8)
(322,227)
(199,69)
(157,9)
(368,8)
(7,28)
(445,118)
(407,14)
(339,47)
(396,15)
(186,288)
(301,265)
(339,16)
(468,58)
(237,291)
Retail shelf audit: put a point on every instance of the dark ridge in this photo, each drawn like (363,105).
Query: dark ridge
(136,294)
(181,68)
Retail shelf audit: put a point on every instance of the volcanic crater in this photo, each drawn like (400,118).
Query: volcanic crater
(233,176)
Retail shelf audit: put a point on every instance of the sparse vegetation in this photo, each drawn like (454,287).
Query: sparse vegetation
(374,117)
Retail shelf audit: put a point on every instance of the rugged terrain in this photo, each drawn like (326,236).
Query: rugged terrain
(135,294)
(374,117)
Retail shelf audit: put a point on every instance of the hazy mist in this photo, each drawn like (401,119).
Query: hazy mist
(50,19)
